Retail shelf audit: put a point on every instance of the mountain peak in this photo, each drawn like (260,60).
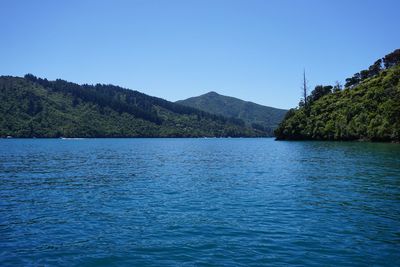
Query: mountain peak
(227,106)
(212,93)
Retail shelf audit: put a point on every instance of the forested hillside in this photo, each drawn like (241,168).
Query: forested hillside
(368,108)
(35,107)
(254,115)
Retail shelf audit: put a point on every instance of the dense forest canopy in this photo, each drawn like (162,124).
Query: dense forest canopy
(368,108)
(36,107)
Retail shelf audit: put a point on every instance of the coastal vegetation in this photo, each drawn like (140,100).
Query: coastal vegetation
(36,107)
(368,108)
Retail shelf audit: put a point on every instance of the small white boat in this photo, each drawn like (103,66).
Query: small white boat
(71,138)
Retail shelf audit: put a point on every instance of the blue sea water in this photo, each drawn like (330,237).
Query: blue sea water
(198,202)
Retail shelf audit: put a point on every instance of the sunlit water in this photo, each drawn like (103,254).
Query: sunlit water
(198,202)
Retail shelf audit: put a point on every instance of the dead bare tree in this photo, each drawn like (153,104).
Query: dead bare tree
(304,88)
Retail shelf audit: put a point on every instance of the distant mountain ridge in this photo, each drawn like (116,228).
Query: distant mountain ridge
(36,107)
(255,115)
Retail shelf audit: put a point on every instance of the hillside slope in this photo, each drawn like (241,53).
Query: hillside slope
(34,107)
(261,117)
(368,110)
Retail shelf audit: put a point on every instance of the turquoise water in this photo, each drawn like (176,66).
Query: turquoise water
(198,202)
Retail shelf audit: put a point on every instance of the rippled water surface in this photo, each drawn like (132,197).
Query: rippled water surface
(198,202)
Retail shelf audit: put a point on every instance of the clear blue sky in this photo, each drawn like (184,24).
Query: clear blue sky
(254,50)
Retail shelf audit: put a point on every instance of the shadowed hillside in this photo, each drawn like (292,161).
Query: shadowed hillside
(35,107)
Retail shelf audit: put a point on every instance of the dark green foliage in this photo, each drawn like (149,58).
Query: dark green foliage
(388,61)
(257,116)
(368,111)
(350,82)
(35,107)
(319,92)
(375,68)
(392,59)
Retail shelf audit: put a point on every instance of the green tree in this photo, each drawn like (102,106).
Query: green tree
(392,59)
